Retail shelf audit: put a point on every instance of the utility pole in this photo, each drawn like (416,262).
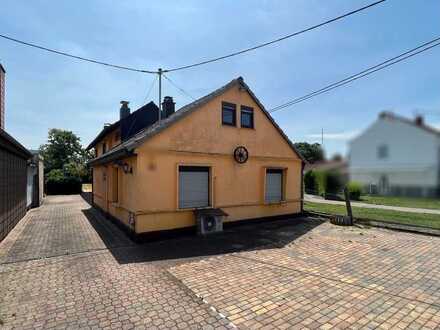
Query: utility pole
(159,72)
(322,137)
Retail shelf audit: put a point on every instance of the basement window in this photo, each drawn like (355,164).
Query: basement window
(229,114)
(247,117)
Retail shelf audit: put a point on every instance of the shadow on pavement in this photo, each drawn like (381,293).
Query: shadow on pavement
(245,237)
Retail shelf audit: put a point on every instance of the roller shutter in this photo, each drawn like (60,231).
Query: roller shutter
(193,186)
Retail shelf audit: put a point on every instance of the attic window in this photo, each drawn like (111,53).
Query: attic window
(104,148)
(247,117)
(229,114)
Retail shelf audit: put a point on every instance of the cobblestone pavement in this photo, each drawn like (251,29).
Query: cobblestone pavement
(89,288)
(332,277)
(65,266)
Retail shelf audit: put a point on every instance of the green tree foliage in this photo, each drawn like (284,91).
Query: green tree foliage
(311,152)
(323,183)
(62,147)
(65,162)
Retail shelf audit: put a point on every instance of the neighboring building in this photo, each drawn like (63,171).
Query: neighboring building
(222,151)
(397,156)
(14,165)
(2,96)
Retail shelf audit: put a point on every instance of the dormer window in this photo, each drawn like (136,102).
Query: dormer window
(382,151)
(229,114)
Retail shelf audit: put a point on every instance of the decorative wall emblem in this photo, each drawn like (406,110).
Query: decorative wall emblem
(241,155)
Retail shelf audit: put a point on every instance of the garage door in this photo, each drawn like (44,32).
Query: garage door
(193,186)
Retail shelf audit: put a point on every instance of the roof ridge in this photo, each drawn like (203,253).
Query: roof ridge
(409,121)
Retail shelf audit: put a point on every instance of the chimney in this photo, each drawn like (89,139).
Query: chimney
(2,97)
(124,111)
(418,120)
(168,106)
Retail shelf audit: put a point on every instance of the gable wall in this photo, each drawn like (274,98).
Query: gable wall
(413,155)
(111,140)
(201,139)
(151,191)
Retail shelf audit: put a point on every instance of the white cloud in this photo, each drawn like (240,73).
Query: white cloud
(342,136)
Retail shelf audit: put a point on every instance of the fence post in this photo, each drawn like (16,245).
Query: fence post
(348,205)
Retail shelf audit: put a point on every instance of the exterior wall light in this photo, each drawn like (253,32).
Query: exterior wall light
(127,168)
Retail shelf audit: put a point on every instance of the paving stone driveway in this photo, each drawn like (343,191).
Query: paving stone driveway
(64,266)
(84,281)
(332,277)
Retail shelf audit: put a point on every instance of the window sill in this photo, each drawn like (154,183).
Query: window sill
(281,202)
(193,208)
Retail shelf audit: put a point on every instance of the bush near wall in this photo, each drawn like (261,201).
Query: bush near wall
(354,190)
(323,183)
(58,183)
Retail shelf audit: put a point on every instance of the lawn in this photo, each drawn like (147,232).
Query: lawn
(416,219)
(424,203)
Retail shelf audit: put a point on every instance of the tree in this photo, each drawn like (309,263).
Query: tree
(65,162)
(62,147)
(311,152)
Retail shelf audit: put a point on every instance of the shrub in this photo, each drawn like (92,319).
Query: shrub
(334,182)
(354,190)
(58,183)
(321,182)
(310,183)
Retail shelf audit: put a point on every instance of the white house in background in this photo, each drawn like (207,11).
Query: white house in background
(397,156)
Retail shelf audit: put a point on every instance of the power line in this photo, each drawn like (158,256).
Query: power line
(116,66)
(150,89)
(408,54)
(180,89)
(122,67)
(275,40)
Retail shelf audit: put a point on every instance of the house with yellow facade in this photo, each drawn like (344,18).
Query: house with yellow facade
(220,159)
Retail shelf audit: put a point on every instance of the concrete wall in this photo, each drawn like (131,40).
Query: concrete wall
(151,191)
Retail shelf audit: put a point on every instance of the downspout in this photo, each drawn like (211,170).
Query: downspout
(302,187)
(93,192)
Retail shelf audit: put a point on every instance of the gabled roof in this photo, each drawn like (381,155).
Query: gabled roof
(126,148)
(392,116)
(132,123)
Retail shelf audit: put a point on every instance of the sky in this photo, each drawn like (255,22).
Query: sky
(46,91)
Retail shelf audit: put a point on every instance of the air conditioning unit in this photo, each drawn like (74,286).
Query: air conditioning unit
(209,221)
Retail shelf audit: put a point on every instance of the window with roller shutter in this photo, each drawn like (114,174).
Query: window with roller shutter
(193,187)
